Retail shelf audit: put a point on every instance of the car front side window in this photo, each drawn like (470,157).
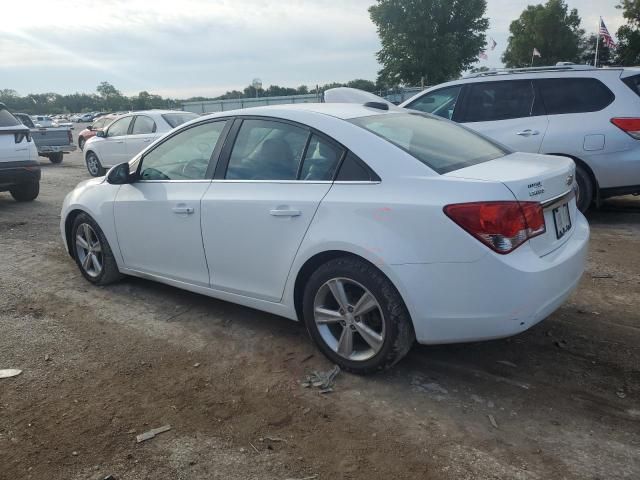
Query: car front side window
(119,127)
(441,102)
(184,156)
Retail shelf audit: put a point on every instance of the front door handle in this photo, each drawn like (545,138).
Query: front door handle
(120,141)
(285,212)
(146,140)
(183,210)
(528,132)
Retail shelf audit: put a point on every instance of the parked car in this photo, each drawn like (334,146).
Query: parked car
(43,121)
(90,132)
(52,142)
(127,136)
(372,224)
(589,115)
(19,167)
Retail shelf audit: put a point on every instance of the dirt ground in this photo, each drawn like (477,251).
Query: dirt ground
(101,365)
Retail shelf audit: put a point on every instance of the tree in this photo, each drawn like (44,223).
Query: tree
(434,39)
(113,99)
(588,52)
(480,69)
(628,51)
(361,84)
(551,28)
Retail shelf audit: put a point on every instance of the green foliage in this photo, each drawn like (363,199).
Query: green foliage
(628,51)
(435,39)
(551,28)
(588,52)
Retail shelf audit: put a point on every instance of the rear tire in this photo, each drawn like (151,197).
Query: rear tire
(585,189)
(94,166)
(25,192)
(377,338)
(92,252)
(56,157)
(81,142)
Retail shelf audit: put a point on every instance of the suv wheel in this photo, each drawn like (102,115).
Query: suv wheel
(94,166)
(356,316)
(585,189)
(25,192)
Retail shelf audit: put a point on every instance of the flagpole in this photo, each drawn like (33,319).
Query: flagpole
(532,55)
(595,62)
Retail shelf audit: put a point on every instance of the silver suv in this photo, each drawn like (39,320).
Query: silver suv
(591,115)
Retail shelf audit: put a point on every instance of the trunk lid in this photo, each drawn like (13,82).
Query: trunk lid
(546,179)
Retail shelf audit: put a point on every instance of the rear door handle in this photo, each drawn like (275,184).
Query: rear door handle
(183,210)
(120,141)
(528,132)
(285,212)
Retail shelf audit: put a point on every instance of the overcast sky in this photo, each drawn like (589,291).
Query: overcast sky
(206,47)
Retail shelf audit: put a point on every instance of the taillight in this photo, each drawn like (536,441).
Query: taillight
(502,226)
(628,125)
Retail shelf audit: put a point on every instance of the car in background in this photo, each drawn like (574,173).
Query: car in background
(19,167)
(128,135)
(98,124)
(372,224)
(51,142)
(591,115)
(85,117)
(43,121)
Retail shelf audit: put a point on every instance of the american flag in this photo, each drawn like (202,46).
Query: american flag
(606,36)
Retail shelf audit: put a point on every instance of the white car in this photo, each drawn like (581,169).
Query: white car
(43,121)
(591,115)
(373,225)
(129,135)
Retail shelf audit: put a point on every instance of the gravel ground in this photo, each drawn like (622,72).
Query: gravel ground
(102,365)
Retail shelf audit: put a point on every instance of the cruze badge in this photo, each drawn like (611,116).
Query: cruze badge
(535,189)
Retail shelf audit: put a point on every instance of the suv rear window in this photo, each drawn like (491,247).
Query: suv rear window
(8,120)
(574,95)
(441,145)
(175,119)
(633,83)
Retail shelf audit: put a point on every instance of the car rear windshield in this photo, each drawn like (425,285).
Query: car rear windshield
(633,83)
(441,145)
(175,119)
(8,120)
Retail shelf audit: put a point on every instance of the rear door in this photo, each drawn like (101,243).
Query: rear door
(256,212)
(143,132)
(507,111)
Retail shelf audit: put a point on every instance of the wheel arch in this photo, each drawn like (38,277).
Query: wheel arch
(68,225)
(585,167)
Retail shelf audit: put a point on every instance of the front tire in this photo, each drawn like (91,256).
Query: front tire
(585,189)
(356,316)
(25,192)
(94,166)
(92,252)
(56,157)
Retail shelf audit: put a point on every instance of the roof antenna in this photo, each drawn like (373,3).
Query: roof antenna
(378,105)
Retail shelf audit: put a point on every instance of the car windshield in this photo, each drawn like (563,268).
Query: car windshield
(7,119)
(441,145)
(178,118)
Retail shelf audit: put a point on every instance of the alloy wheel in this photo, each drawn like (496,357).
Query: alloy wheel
(349,319)
(93,164)
(89,250)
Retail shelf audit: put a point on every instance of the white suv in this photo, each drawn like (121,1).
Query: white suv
(590,115)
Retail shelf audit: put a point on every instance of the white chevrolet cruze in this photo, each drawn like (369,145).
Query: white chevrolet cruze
(374,225)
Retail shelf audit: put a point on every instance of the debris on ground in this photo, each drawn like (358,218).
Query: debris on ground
(305,478)
(601,275)
(322,380)
(308,357)
(272,439)
(152,433)
(47,358)
(10,372)
(493,421)
(196,365)
(507,363)
(620,393)
(254,447)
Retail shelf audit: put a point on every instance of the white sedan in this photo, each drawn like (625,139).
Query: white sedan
(374,225)
(127,136)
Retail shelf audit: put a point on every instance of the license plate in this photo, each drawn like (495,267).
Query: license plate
(562,220)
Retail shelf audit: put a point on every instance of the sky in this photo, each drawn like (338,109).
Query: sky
(205,47)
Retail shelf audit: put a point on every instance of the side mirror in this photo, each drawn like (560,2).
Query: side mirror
(119,175)
(101,133)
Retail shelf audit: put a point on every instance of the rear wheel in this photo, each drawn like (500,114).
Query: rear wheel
(356,316)
(585,189)
(92,252)
(25,192)
(56,157)
(81,142)
(94,166)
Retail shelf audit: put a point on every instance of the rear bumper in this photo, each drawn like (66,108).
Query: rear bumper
(14,173)
(497,296)
(46,149)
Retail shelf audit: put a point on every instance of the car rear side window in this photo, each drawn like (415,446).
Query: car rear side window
(574,95)
(354,170)
(7,119)
(142,125)
(441,145)
(321,160)
(633,83)
(178,118)
(491,101)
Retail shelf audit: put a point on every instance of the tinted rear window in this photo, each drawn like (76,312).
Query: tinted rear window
(574,95)
(633,83)
(175,119)
(8,120)
(491,101)
(441,145)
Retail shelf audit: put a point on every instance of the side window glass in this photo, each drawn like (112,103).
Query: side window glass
(119,127)
(184,156)
(499,101)
(321,160)
(574,95)
(143,124)
(354,170)
(441,103)
(266,150)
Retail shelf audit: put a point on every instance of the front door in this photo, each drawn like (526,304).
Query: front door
(143,133)
(158,217)
(112,150)
(255,215)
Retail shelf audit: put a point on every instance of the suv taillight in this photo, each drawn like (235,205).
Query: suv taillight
(502,226)
(628,125)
